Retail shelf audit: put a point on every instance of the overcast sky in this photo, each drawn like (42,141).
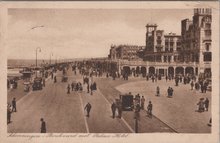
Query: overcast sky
(79,33)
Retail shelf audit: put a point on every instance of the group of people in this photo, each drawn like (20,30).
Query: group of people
(75,87)
(169,91)
(10,109)
(203,105)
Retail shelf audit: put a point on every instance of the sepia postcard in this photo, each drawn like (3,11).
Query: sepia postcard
(109,72)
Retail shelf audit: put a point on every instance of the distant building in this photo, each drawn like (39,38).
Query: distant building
(126,52)
(161,47)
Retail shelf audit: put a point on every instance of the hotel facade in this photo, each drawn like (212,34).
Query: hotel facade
(165,54)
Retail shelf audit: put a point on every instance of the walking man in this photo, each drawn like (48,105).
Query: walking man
(113,107)
(88,108)
(43,126)
(201,105)
(8,114)
(72,86)
(55,79)
(192,85)
(206,102)
(68,89)
(142,102)
(158,91)
(14,105)
(149,109)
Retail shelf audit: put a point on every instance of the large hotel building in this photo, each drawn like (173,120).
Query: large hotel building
(188,53)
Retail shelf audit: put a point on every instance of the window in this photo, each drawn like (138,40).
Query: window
(171,49)
(207,47)
(169,58)
(171,44)
(178,43)
(208,33)
(207,57)
(208,25)
(165,58)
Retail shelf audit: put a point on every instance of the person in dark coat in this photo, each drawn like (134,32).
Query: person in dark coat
(158,91)
(201,105)
(168,92)
(68,89)
(14,105)
(88,108)
(94,86)
(142,102)
(206,102)
(91,88)
(192,85)
(87,87)
(119,111)
(8,114)
(72,86)
(149,109)
(55,79)
(43,126)
(113,107)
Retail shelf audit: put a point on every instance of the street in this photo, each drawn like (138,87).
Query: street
(64,113)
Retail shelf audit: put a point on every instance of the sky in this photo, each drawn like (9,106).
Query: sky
(83,33)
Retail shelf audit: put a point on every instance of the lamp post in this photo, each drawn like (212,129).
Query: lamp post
(38,48)
(136,116)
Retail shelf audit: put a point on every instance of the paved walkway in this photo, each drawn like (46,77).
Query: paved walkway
(178,112)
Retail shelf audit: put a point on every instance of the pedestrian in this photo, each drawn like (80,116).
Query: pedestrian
(149,109)
(119,110)
(147,77)
(72,86)
(44,82)
(68,89)
(88,108)
(166,78)
(210,122)
(94,86)
(158,91)
(200,105)
(8,114)
(171,92)
(202,86)
(91,88)
(55,79)
(87,87)
(43,126)
(176,80)
(113,107)
(14,105)
(142,102)
(206,102)
(168,92)
(192,85)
